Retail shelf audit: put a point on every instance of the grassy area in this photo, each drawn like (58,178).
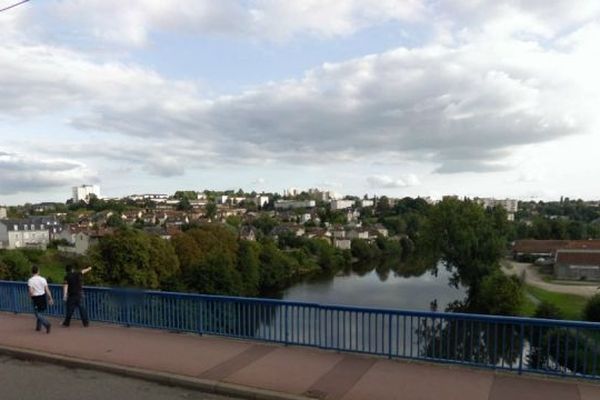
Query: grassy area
(528,307)
(51,266)
(570,305)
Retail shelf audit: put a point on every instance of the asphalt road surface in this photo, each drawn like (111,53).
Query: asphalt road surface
(25,380)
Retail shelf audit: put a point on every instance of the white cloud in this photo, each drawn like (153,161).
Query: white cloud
(133,22)
(27,173)
(509,74)
(462,108)
(387,182)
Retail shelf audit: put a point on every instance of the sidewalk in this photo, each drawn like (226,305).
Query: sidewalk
(260,370)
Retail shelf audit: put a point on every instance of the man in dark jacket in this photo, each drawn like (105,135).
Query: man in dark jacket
(73,293)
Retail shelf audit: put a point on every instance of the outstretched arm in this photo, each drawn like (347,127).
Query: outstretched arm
(86,270)
(49,294)
(65,291)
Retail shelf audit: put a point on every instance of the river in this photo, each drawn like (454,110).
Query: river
(382,288)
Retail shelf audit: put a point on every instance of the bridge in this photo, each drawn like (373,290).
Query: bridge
(262,348)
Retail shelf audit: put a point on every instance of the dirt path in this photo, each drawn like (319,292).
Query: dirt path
(533,278)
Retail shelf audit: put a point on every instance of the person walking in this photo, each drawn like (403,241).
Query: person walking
(73,293)
(41,297)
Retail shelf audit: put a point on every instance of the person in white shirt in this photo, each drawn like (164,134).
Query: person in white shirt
(41,298)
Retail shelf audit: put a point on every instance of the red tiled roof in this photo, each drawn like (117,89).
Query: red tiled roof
(578,257)
(583,245)
(551,246)
(538,246)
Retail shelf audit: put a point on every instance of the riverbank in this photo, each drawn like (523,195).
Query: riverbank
(570,305)
(570,299)
(532,277)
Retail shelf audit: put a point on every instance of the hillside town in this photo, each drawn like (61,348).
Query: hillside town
(312,213)
(78,224)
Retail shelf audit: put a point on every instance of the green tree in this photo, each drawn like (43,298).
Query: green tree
(499,295)
(249,267)
(4,272)
(184,204)
(211,210)
(591,311)
(547,310)
(17,264)
(216,273)
(467,239)
(133,258)
(115,221)
(165,263)
(276,267)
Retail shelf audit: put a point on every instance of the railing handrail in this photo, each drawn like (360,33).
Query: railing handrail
(499,319)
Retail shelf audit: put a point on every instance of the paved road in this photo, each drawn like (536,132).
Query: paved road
(248,365)
(533,278)
(23,380)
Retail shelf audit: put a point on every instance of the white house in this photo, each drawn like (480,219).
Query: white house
(344,244)
(83,192)
(261,201)
(3,213)
(15,234)
(222,199)
(357,234)
(291,204)
(81,241)
(341,204)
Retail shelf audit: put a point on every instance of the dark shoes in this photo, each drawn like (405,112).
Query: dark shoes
(48,328)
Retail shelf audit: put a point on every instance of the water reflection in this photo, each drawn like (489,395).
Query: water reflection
(384,285)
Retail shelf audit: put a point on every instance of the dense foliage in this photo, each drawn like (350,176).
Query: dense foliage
(591,312)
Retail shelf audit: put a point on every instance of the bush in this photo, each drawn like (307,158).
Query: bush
(500,295)
(547,310)
(591,312)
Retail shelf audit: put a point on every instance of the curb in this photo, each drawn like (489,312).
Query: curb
(163,378)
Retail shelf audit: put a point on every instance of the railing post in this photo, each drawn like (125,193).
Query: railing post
(390,336)
(285,324)
(319,326)
(521,347)
(14,298)
(201,323)
(127,311)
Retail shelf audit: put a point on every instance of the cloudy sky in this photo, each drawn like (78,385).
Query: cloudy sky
(396,97)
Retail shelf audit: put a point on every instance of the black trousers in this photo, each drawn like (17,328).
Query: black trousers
(72,304)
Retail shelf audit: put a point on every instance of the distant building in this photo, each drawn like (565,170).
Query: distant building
(3,212)
(291,192)
(222,199)
(261,201)
(155,197)
(341,204)
(357,234)
(292,204)
(366,203)
(304,218)
(510,205)
(530,249)
(24,233)
(83,192)
(319,195)
(577,265)
(248,232)
(80,240)
(343,244)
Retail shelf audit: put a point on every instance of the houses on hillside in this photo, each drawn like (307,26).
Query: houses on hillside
(24,233)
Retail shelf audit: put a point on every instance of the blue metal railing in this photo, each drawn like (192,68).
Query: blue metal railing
(549,347)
